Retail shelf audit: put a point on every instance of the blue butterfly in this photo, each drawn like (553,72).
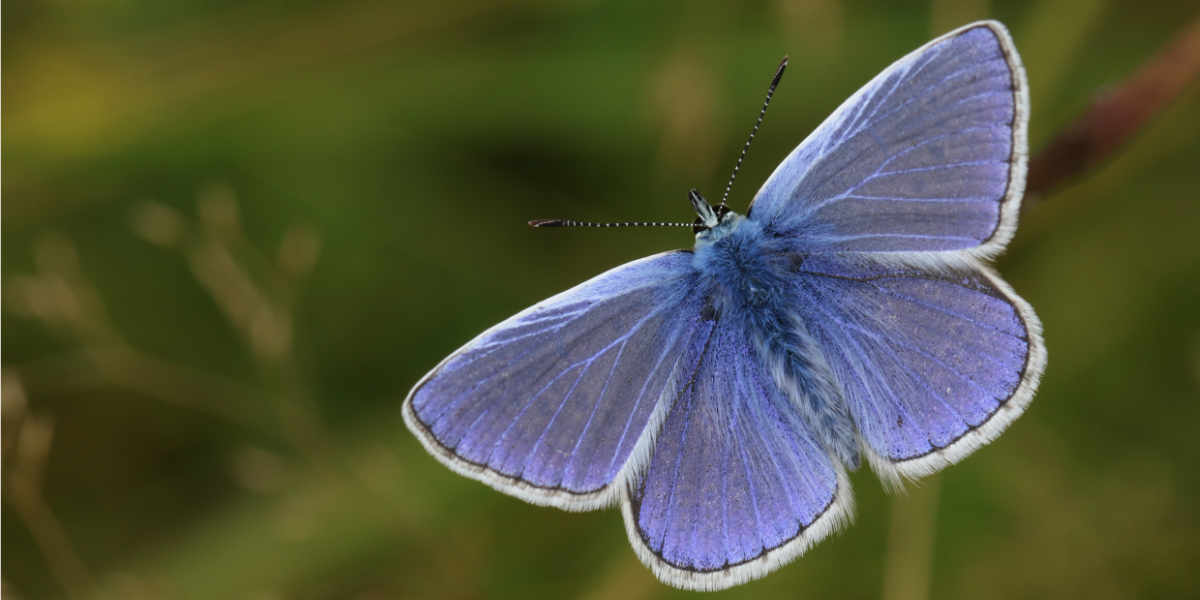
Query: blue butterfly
(719,395)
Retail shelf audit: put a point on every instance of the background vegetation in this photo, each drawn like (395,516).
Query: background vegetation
(236,233)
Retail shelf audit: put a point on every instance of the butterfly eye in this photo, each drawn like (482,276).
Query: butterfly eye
(698,225)
(721,212)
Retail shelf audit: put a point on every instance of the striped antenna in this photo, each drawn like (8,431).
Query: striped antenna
(694,195)
(758,123)
(536,223)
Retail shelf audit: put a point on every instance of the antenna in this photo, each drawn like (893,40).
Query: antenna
(708,216)
(536,223)
(762,113)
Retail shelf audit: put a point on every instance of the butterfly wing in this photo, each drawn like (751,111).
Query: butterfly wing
(928,157)
(933,366)
(736,483)
(549,405)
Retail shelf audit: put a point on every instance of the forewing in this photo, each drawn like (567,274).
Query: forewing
(928,157)
(736,484)
(549,405)
(933,366)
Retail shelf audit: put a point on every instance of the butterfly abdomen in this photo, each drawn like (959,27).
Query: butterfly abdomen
(746,286)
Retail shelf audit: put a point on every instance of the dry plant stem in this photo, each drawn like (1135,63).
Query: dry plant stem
(50,536)
(262,315)
(908,566)
(25,465)
(1116,115)
(120,365)
(106,358)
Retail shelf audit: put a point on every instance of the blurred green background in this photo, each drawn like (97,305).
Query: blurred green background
(236,233)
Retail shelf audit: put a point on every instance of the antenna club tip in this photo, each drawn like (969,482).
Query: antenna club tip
(779,72)
(535,223)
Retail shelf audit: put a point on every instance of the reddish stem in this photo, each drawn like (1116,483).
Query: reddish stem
(1117,114)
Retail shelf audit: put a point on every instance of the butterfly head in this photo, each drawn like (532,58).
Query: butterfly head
(708,217)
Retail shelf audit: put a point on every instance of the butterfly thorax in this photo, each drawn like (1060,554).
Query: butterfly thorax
(733,257)
(745,275)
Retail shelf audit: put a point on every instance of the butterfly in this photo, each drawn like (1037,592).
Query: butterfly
(719,395)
